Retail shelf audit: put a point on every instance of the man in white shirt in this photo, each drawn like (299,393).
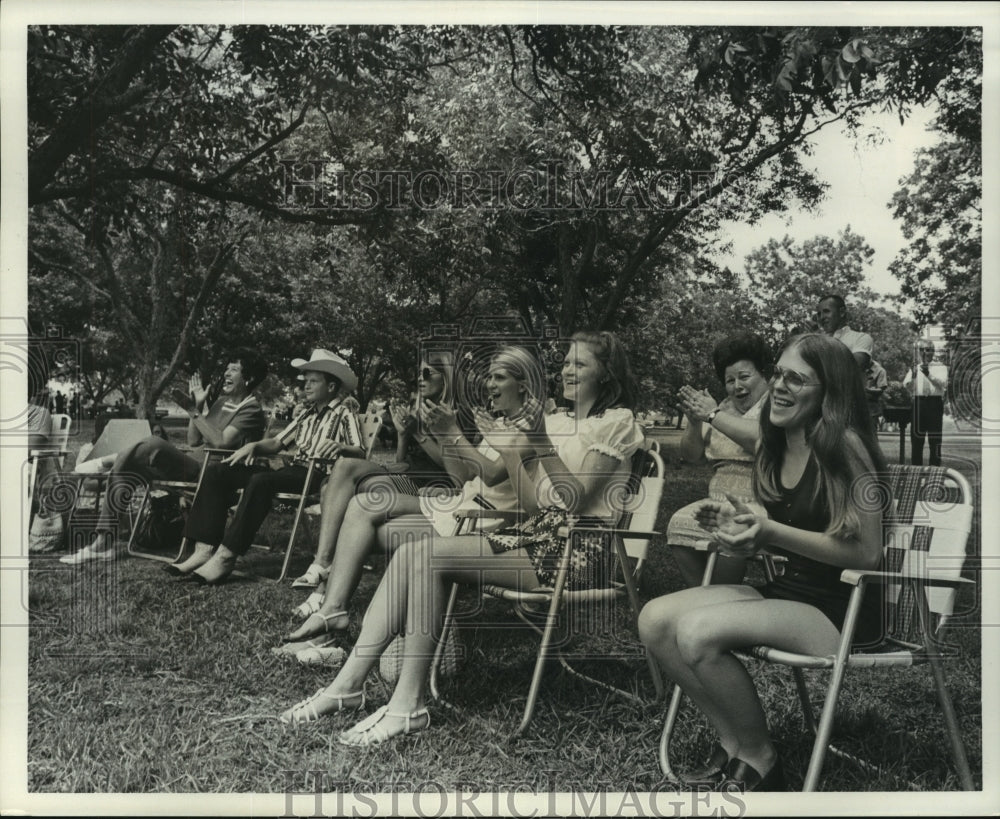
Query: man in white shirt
(831,313)
(927,382)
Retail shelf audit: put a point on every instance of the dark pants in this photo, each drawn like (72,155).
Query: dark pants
(927,421)
(206,522)
(151,460)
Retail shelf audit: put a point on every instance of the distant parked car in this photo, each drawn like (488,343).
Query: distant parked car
(161,412)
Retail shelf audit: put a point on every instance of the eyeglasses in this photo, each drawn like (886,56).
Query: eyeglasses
(794,382)
(927,350)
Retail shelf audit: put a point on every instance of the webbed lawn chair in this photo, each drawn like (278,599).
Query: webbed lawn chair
(924,538)
(640,503)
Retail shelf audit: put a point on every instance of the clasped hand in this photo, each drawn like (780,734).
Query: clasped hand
(501,434)
(735,525)
(244,455)
(696,404)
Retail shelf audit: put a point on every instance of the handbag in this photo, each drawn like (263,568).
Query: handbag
(47,533)
(390,664)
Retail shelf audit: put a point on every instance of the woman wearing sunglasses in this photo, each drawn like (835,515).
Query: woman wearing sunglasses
(818,454)
(381,514)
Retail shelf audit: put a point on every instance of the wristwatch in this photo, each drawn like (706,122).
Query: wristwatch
(711,416)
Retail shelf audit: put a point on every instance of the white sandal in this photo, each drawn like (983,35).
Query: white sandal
(296,648)
(313,576)
(372,731)
(307,711)
(310,606)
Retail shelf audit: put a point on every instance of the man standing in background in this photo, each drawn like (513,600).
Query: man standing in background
(927,382)
(876,382)
(831,313)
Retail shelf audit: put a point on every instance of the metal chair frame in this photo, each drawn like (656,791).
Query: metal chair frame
(634,526)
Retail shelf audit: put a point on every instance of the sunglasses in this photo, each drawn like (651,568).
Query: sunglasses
(794,382)
(426,373)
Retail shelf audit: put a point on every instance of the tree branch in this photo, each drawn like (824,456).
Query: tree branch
(91,111)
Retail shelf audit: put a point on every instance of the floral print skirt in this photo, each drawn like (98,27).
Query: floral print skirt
(590,563)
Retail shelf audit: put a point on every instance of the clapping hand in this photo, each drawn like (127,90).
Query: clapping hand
(402,419)
(696,404)
(438,418)
(734,524)
(198,392)
(498,433)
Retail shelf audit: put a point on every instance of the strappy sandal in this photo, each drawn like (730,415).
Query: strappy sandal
(372,731)
(308,710)
(294,649)
(310,606)
(315,632)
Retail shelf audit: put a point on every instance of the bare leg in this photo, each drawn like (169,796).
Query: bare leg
(692,634)
(433,564)
(691,562)
(337,494)
(365,513)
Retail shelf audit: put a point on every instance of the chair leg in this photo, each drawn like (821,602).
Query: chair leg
(130,546)
(665,736)
(678,694)
(825,727)
(446,626)
(545,646)
(947,709)
(633,599)
(295,524)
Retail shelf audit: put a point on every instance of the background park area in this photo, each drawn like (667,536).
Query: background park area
(193,188)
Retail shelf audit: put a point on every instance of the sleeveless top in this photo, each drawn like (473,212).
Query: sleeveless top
(811,581)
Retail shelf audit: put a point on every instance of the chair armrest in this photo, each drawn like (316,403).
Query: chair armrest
(635,534)
(512,515)
(46,453)
(858,576)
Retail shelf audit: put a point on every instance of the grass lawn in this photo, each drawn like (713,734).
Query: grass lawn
(140,683)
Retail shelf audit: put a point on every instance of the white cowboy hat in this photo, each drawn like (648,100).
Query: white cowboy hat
(324,361)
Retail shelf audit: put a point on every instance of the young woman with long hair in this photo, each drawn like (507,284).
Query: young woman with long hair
(818,456)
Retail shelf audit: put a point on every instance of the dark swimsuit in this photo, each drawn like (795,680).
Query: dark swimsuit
(810,581)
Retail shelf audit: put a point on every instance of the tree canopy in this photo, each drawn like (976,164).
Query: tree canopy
(573,175)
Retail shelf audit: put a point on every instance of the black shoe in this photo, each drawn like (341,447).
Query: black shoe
(740,775)
(713,770)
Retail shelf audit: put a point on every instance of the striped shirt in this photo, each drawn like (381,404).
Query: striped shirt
(335,421)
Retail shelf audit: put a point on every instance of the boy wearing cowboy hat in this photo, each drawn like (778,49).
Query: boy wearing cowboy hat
(327,429)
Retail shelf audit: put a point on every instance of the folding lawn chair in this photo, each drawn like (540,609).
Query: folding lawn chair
(924,538)
(640,504)
(58,439)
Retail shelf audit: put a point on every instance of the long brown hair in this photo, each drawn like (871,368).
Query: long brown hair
(843,414)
